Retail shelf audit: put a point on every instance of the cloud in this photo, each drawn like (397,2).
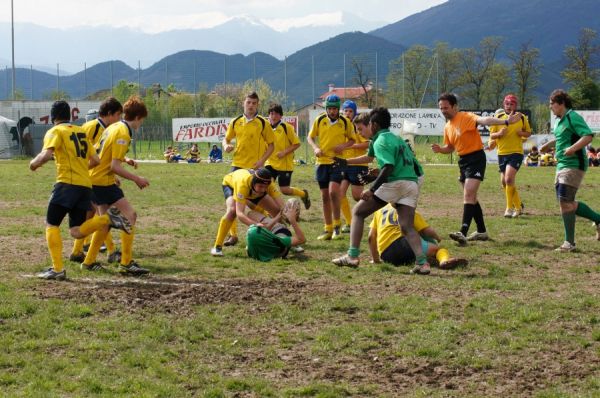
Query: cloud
(322,19)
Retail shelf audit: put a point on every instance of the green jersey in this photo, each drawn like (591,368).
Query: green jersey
(264,245)
(388,148)
(568,130)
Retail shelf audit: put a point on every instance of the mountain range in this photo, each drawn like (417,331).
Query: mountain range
(546,24)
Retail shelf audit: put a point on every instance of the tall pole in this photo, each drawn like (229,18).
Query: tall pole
(285,82)
(31,80)
(14,78)
(345,76)
(138,76)
(57,79)
(84,79)
(112,83)
(376,81)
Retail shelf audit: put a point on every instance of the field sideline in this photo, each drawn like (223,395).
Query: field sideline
(520,320)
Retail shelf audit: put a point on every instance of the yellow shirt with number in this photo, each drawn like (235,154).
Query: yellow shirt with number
(285,136)
(251,139)
(331,134)
(114,144)
(71,153)
(512,142)
(94,130)
(385,222)
(241,183)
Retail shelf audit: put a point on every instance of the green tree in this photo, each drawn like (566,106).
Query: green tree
(497,83)
(526,68)
(476,64)
(55,95)
(181,105)
(586,95)
(582,59)
(124,89)
(540,115)
(448,63)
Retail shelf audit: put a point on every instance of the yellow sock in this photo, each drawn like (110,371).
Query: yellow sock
(345,208)
(297,192)
(224,226)
(233,227)
(508,192)
(54,242)
(94,249)
(110,244)
(78,246)
(442,255)
(516,199)
(93,224)
(127,246)
(337,223)
(329,227)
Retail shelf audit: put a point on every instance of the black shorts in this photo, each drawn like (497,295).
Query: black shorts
(107,195)
(228,192)
(398,253)
(472,165)
(352,172)
(283,178)
(326,173)
(74,200)
(514,160)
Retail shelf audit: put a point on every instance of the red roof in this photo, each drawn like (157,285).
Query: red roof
(346,92)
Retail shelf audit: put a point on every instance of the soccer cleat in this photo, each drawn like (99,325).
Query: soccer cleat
(421,269)
(458,237)
(297,249)
(306,199)
(517,213)
(326,235)
(132,269)
(50,274)
(216,251)
(118,220)
(478,236)
(452,263)
(566,247)
(509,213)
(77,257)
(114,257)
(103,248)
(346,261)
(597,226)
(95,266)
(337,233)
(232,240)
(346,229)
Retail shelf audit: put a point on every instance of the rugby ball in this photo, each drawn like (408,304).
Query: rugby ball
(294,204)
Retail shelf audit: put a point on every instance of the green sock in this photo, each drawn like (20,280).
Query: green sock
(353,252)
(569,224)
(584,211)
(422,259)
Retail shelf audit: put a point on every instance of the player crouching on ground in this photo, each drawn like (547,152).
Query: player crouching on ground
(67,144)
(274,239)
(239,188)
(387,243)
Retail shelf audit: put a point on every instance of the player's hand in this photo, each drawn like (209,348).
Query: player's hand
(117,181)
(368,177)
(280,154)
(131,162)
(339,148)
(33,166)
(515,117)
(366,195)
(339,163)
(228,148)
(318,152)
(141,182)
(436,148)
(569,151)
(258,165)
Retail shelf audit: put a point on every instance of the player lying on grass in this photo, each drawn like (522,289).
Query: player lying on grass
(387,243)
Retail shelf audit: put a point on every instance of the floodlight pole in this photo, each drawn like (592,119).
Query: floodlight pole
(12,27)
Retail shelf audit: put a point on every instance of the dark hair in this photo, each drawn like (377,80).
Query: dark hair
(60,111)
(534,148)
(561,97)
(362,118)
(451,98)
(261,176)
(134,108)
(382,117)
(275,108)
(253,95)
(109,106)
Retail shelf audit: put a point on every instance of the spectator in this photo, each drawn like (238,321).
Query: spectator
(193,154)
(215,155)
(593,156)
(171,155)
(533,158)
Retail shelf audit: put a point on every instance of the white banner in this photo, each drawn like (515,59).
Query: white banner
(209,130)
(592,118)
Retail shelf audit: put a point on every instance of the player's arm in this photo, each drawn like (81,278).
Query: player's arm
(494,121)
(316,150)
(373,245)
(230,135)
(382,178)
(44,156)
(360,159)
(267,154)
(298,238)
(498,134)
(548,146)
(445,149)
(94,161)
(429,233)
(118,169)
(578,145)
(288,150)
(491,145)
(240,212)
(342,147)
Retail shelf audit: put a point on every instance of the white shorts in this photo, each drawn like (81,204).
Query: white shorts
(401,192)
(570,177)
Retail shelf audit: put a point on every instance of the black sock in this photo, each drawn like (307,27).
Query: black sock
(478,216)
(468,211)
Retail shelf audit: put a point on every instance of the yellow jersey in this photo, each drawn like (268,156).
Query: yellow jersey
(285,136)
(461,132)
(385,222)
(252,136)
(72,153)
(114,144)
(331,134)
(355,153)
(94,130)
(241,183)
(512,142)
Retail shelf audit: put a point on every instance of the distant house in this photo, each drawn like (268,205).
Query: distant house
(304,116)
(355,94)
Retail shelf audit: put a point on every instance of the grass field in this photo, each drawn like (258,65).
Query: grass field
(520,320)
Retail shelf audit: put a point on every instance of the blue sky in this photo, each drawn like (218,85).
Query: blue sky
(158,16)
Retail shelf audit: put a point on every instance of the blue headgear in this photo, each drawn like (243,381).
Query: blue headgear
(332,101)
(350,104)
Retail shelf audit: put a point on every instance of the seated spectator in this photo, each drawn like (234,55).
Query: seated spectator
(193,154)
(593,158)
(548,159)
(387,243)
(215,155)
(533,158)
(171,155)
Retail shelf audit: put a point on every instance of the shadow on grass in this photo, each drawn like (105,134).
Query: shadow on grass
(533,244)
